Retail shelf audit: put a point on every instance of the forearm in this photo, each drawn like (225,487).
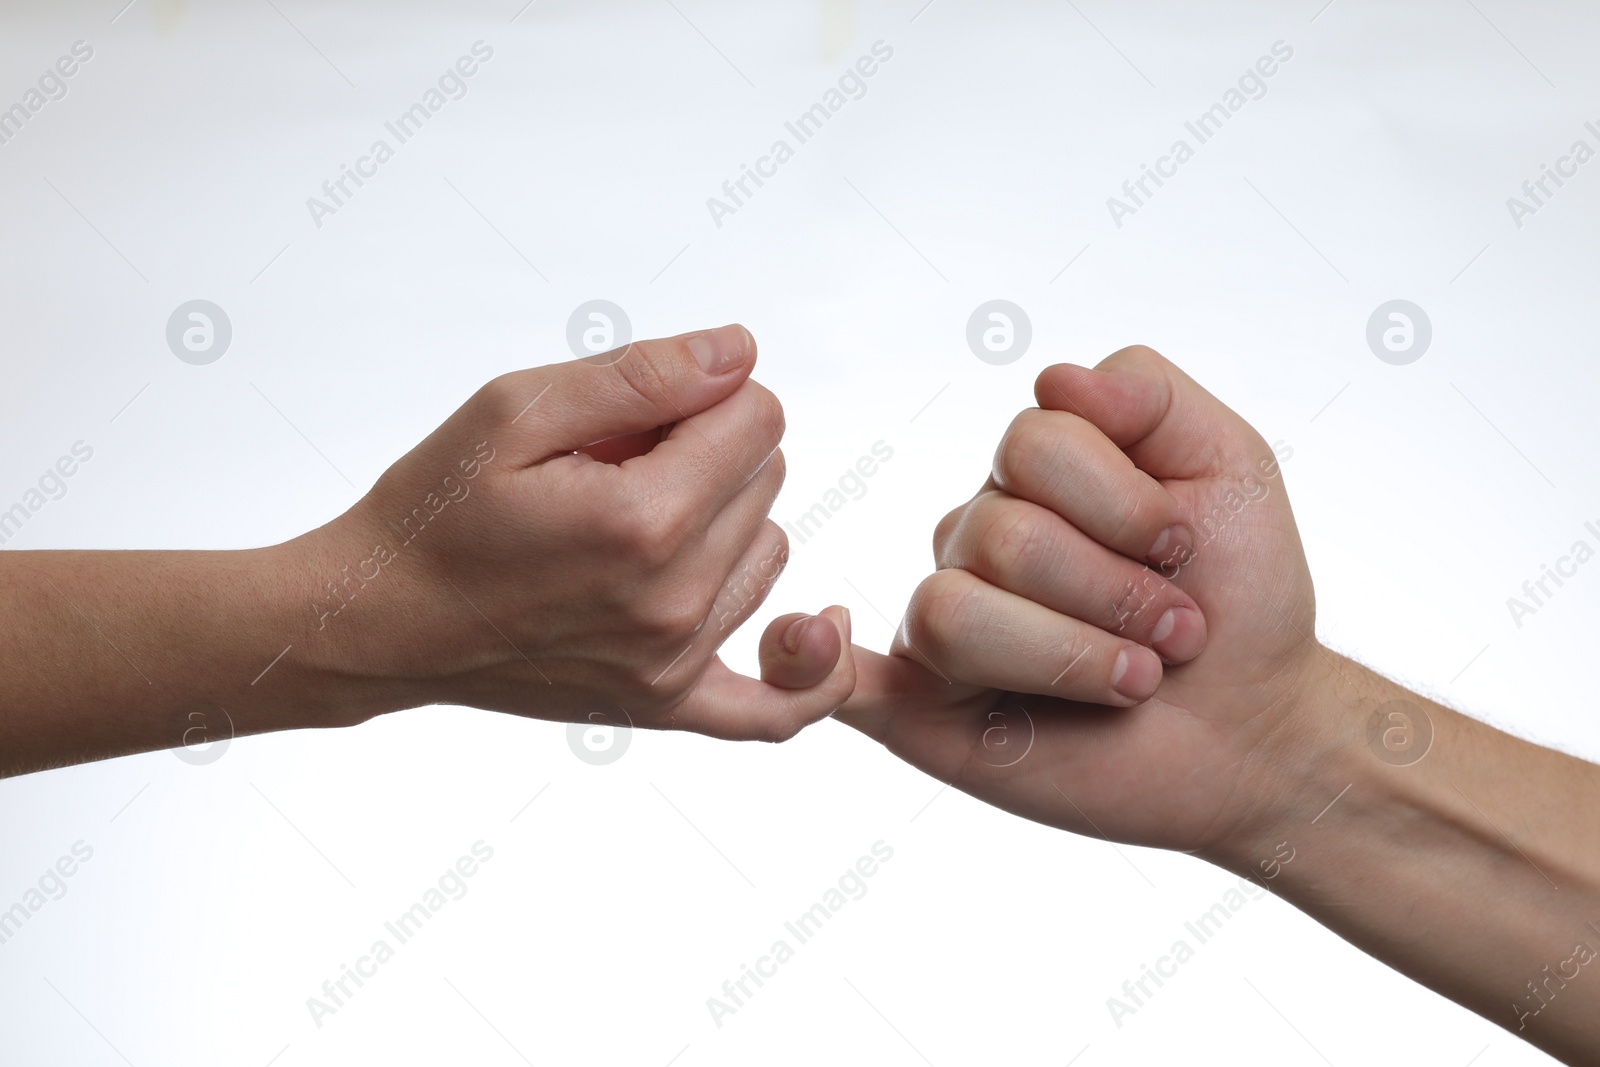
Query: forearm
(107,653)
(1473,866)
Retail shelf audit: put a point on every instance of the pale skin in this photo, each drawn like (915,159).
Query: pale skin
(1474,869)
(1126,602)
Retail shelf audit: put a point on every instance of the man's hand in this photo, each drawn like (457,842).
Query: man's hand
(1475,870)
(1130,512)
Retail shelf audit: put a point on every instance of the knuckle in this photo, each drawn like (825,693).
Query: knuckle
(755,576)
(674,616)
(637,528)
(766,409)
(1010,547)
(623,526)
(947,535)
(1144,511)
(769,477)
(500,399)
(1130,521)
(667,519)
(777,468)
(945,530)
(653,370)
(745,590)
(1023,449)
(941,611)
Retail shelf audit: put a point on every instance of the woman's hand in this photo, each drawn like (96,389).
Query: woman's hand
(575,543)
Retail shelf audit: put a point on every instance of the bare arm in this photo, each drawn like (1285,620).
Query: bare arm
(108,653)
(574,543)
(1065,613)
(1459,855)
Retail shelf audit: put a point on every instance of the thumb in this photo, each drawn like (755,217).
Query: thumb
(630,390)
(1162,418)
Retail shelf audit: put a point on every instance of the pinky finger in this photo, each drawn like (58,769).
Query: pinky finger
(800,651)
(803,680)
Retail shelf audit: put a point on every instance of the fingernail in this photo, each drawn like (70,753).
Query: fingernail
(846,623)
(1137,673)
(791,636)
(720,349)
(1179,635)
(1172,539)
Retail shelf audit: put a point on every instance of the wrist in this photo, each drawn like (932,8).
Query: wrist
(1313,757)
(340,658)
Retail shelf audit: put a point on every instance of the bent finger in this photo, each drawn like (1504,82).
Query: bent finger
(1031,551)
(707,458)
(1063,462)
(973,632)
(1167,422)
(731,706)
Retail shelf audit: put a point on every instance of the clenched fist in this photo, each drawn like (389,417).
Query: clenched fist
(1121,620)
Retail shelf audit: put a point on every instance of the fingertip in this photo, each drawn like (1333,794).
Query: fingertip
(1115,396)
(722,350)
(827,640)
(1053,388)
(1180,634)
(1136,674)
(815,641)
(800,651)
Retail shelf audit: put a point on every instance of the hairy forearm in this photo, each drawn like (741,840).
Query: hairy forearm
(1471,864)
(107,653)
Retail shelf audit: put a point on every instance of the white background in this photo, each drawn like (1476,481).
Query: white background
(220,897)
